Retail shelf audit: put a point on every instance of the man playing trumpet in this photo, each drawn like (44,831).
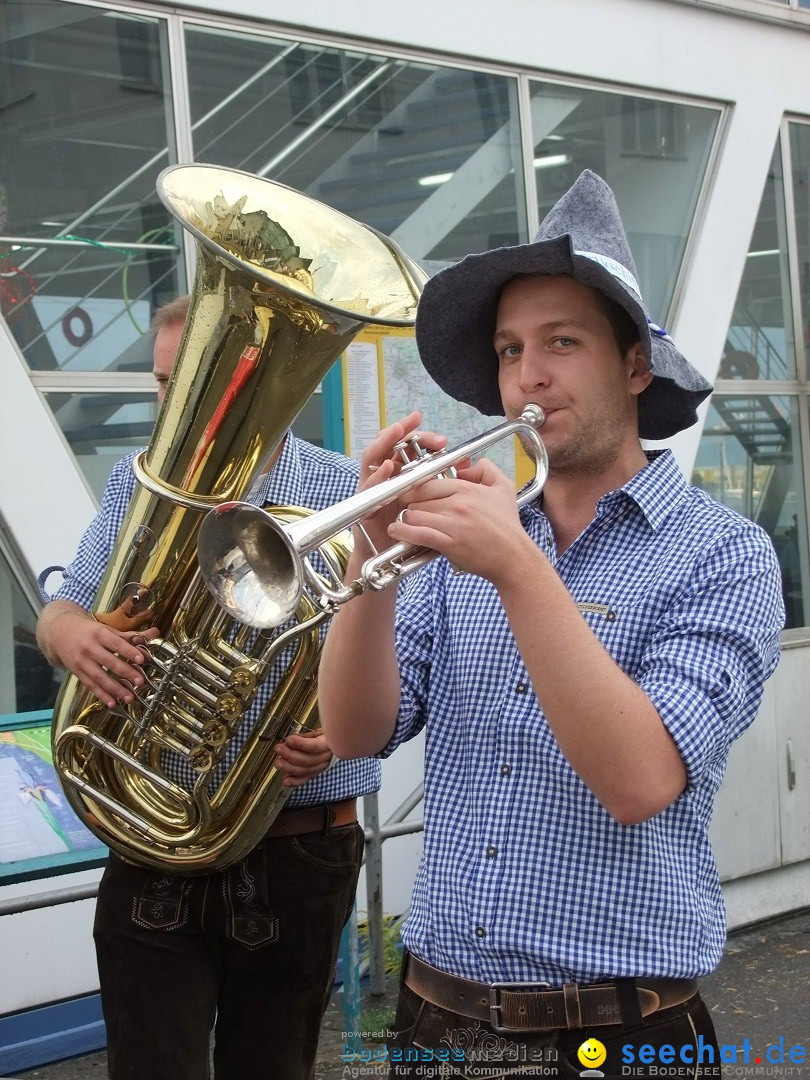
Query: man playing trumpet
(580,683)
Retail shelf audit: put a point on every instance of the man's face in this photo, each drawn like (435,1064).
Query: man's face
(167,344)
(556,347)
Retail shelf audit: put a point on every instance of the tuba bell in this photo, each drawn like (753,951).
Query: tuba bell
(283,284)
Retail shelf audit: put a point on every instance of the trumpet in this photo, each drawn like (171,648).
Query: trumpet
(257,567)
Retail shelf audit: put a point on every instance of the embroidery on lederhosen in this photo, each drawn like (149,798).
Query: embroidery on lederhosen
(162,903)
(475,1047)
(247,922)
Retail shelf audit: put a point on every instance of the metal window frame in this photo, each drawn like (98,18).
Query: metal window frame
(794,276)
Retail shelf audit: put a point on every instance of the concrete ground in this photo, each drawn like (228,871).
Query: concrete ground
(760,993)
(761,990)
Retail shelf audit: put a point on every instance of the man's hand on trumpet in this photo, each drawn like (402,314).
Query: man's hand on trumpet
(472,520)
(379,463)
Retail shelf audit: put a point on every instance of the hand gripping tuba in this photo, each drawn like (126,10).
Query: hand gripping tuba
(283,284)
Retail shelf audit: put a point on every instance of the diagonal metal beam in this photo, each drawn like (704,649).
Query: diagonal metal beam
(449,204)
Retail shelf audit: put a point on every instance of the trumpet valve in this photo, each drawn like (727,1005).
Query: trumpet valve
(410,450)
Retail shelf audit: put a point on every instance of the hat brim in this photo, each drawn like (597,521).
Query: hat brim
(455,324)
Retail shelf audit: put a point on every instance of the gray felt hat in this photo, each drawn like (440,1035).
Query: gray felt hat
(583,237)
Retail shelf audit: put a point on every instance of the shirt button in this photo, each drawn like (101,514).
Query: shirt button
(505,770)
(480,932)
(521,688)
(492,851)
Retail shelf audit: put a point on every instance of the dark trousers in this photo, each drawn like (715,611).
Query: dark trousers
(248,952)
(442,1044)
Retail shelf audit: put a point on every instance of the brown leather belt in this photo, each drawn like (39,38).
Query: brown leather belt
(523,1007)
(314,818)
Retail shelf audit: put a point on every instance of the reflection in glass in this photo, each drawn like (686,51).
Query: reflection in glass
(652,153)
(760,343)
(800,166)
(27,681)
(83,135)
(746,460)
(427,154)
(101,428)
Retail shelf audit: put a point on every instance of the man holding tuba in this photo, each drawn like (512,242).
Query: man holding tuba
(248,952)
(580,683)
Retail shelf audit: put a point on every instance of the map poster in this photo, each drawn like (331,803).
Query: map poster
(38,828)
(383,381)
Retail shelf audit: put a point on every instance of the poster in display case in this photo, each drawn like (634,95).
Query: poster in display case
(40,835)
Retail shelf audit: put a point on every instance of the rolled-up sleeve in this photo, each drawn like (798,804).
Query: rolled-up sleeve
(707,661)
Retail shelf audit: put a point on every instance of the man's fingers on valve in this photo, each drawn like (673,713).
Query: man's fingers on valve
(408,451)
(124,672)
(109,689)
(381,448)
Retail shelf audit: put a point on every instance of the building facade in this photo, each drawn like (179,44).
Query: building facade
(452,127)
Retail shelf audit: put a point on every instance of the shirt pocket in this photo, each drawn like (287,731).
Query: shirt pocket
(623,624)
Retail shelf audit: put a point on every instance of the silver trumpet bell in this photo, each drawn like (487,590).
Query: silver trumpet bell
(256,567)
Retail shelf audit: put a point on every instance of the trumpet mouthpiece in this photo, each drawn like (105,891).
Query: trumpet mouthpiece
(534,415)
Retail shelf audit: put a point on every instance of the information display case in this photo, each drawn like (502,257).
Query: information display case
(40,835)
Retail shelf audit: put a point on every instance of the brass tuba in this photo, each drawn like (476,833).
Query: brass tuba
(283,283)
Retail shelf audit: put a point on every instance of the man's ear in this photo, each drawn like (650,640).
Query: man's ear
(639,374)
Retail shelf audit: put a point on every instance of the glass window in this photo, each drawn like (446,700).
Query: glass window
(750,454)
(652,153)
(748,460)
(102,428)
(800,167)
(27,681)
(84,131)
(429,155)
(760,341)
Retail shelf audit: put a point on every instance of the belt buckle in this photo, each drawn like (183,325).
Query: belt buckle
(495,989)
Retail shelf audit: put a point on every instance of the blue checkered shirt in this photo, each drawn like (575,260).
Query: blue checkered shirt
(304,475)
(524,875)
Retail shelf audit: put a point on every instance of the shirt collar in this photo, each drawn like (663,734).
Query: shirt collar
(656,489)
(282,486)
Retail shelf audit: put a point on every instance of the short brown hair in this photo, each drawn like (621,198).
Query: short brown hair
(168,314)
(625,331)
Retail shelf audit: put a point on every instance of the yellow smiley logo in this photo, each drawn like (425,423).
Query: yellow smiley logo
(592,1053)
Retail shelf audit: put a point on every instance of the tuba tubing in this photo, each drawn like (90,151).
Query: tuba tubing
(256,567)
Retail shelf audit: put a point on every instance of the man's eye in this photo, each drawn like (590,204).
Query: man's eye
(564,341)
(509,351)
